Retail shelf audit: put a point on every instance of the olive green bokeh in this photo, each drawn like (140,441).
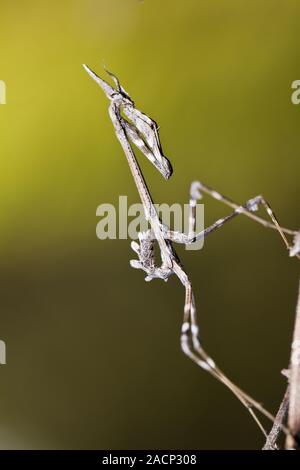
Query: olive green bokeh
(93,356)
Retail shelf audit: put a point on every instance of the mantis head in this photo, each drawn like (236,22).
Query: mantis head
(138,127)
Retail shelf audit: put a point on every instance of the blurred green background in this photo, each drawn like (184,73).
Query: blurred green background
(93,356)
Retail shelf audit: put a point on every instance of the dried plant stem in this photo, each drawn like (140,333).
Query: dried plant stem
(293,440)
(280,419)
(290,406)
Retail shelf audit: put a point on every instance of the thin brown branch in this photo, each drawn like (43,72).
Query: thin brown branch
(294,406)
(272,439)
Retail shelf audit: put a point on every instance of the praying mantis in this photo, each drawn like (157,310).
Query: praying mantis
(134,127)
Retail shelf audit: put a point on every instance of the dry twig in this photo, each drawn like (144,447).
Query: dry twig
(293,440)
(280,419)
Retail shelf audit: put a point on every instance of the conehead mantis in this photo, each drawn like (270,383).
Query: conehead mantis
(134,128)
